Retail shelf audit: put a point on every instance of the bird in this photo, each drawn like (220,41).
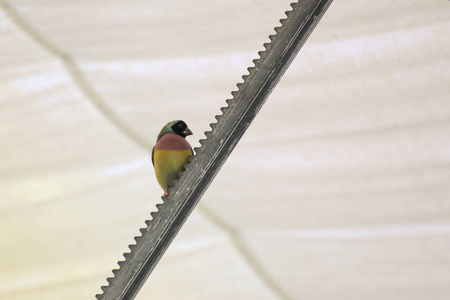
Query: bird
(170,153)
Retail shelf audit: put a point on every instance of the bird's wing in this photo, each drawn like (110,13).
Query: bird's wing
(153,156)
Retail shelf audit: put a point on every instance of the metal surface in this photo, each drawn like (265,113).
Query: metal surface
(221,140)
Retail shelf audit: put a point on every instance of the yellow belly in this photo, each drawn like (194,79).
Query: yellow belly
(168,163)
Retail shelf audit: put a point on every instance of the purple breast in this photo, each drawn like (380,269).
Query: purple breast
(171,141)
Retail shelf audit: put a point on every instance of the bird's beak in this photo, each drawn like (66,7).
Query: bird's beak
(187,132)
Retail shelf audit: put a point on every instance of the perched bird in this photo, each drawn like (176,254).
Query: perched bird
(171,152)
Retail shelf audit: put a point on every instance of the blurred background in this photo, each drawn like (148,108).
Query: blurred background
(338,190)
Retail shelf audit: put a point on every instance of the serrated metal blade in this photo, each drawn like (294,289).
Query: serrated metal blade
(209,158)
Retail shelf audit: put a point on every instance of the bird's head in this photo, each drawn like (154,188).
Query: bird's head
(177,127)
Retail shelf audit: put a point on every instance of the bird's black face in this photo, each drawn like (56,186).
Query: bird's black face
(181,129)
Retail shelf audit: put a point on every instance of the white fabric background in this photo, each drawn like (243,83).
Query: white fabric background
(338,190)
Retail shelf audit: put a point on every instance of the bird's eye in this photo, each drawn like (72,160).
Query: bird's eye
(180,125)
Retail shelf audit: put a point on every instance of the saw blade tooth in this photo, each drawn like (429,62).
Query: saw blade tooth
(266,45)
(179,174)
(133,246)
(121,263)
(272,37)
(142,231)
(208,133)
(198,150)
(172,184)
(251,70)
(229,102)
(104,287)
(126,255)
(115,271)
(240,85)
(292,5)
(245,77)
(289,12)
(170,188)
(202,141)
(176,180)
(191,158)
(186,165)
(137,238)
(153,214)
(234,93)
(109,279)
(279,29)
(217,117)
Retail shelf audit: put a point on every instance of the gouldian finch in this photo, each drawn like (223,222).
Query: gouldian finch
(171,152)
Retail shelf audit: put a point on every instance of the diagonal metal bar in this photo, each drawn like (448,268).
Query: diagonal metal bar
(215,149)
